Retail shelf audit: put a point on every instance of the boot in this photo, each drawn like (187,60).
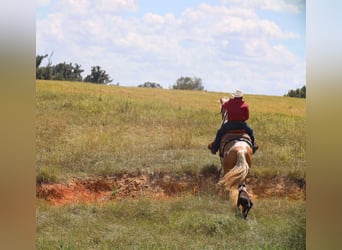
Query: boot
(210,147)
(255,147)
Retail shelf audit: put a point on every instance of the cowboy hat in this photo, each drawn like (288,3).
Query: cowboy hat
(237,94)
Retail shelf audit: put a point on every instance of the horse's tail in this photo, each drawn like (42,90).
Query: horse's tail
(237,174)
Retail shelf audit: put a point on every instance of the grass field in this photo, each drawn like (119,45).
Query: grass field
(86,130)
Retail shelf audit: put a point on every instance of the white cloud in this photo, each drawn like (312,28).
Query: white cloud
(115,6)
(90,8)
(41,3)
(220,20)
(73,7)
(223,45)
(52,27)
(153,19)
(291,6)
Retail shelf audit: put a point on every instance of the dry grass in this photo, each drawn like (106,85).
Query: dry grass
(86,129)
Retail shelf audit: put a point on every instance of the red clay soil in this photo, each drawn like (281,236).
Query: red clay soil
(158,187)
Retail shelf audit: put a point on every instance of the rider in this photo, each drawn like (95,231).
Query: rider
(238,114)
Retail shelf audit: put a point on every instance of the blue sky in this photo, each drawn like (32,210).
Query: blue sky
(254,45)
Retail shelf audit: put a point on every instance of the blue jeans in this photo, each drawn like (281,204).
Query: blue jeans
(232,125)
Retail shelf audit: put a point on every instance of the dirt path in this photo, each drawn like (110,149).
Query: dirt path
(160,186)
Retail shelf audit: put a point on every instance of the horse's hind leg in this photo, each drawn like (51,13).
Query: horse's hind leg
(245,212)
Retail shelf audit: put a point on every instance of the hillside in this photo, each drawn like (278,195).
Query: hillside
(86,129)
(129,168)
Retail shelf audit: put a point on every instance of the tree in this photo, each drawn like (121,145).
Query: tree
(76,73)
(43,72)
(299,93)
(39,60)
(98,76)
(150,85)
(188,83)
(68,72)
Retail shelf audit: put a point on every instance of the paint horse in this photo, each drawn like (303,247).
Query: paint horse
(235,155)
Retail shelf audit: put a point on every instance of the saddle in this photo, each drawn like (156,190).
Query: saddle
(234,135)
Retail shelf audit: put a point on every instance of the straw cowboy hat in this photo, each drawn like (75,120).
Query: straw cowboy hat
(237,94)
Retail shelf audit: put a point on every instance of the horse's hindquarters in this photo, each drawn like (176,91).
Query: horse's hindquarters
(236,162)
(230,155)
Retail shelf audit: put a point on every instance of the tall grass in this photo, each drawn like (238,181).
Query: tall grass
(85,129)
(186,223)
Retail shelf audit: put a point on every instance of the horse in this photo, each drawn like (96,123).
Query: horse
(236,158)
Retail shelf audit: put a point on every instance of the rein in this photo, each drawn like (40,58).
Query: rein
(224,116)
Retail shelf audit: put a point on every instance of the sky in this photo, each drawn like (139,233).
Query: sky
(258,46)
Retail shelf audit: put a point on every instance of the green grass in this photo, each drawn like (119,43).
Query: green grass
(189,222)
(85,130)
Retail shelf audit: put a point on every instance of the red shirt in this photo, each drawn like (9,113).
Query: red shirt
(237,109)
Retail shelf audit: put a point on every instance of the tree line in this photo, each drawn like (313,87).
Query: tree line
(299,93)
(186,83)
(69,72)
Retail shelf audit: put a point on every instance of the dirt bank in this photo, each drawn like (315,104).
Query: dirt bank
(160,186)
